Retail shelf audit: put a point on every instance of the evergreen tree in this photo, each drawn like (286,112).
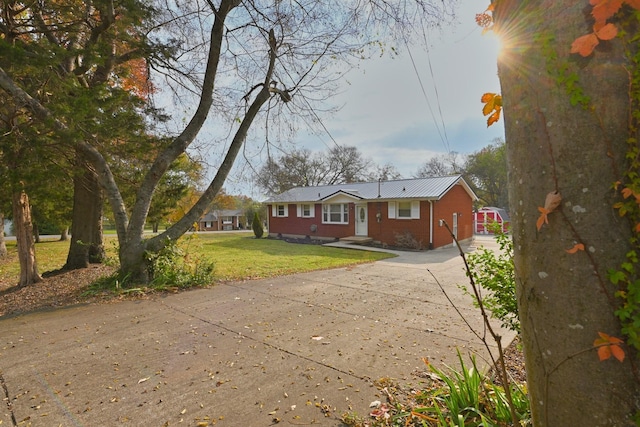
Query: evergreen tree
(256,225)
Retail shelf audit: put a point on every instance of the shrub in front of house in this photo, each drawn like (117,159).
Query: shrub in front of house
(408,241)
(256,225)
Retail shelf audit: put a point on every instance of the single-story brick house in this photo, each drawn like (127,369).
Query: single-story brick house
(381,211)
(220,220)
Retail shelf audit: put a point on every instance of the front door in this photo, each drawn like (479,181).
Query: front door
(361,220)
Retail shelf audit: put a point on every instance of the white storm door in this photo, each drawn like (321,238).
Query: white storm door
(455,225)
(362,228)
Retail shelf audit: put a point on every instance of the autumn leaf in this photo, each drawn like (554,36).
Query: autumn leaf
(488,107)
(484,20)
(609,346)
(487,97)
(493,118)
(584,45)
(492,107)
(543,218)
(607,32)
(577,247)
(633,3)
(604,9)
(551,202)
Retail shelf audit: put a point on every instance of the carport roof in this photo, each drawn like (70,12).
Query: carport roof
(432,188)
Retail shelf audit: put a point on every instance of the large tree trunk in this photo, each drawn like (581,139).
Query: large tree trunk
(87,245)
(565,299)
(35,231)
(3,245)
(24,238)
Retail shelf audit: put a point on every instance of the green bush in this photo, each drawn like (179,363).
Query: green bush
(173,267)
(494,273)
(256,225)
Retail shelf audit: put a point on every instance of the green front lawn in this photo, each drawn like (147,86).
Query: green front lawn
(236,256)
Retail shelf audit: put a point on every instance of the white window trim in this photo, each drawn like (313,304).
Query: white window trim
(274,210)
(326,215)
(312,209)
(394,210)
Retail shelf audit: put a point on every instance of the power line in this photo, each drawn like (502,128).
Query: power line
(442,134)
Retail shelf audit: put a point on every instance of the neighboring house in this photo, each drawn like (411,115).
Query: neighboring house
(377,211)
(220,220)
(488,215)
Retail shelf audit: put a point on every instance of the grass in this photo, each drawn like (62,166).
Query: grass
(237,256)
(461,397)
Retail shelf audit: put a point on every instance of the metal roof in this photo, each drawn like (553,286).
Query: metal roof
(418,188)
(214,215)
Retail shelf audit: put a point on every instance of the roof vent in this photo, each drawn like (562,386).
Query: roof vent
(404,189)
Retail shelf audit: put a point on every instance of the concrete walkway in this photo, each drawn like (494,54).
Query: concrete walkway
(296,350)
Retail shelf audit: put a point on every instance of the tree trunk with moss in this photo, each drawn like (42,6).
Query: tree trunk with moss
(567,126)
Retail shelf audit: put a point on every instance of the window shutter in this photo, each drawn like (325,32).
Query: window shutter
(392,209)
(274,210)
(286,210)
(312,211)
(299,210)
(415,209)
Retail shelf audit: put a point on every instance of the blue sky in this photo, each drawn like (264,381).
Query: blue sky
(387,115)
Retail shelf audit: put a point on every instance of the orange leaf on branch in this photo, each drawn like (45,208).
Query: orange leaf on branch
(584,45)
(492,106)
(633,3)
(493,118)
(609,346)
(604,9)
(551,202)
(607,32)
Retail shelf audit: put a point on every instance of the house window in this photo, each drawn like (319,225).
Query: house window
(227,220)
(404,209)
(337,213)
(306,211)
(281,210)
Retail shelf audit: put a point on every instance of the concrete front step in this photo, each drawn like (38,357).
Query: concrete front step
(360,240)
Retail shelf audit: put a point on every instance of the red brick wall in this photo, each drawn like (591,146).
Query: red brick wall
(385,231)
(302,226)
(456,200)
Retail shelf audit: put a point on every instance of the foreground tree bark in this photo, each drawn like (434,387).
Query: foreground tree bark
(565,299)
(24,239)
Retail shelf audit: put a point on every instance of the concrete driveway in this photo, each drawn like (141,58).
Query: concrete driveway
(296,350)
